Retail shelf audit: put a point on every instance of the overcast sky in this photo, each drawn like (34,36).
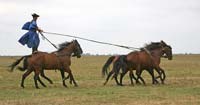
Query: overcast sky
(127,22)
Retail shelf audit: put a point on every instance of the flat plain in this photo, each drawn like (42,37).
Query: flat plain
(182,85)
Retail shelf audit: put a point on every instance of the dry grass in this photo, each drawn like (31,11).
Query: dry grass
(182,85)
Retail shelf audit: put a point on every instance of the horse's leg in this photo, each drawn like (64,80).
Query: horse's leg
(138,73)
(43,75)
(124,71)
(68,77)
(160,74)
(164,76)
(116,69)
(41,82)
(110,73)
(155,80)
(116,74)
(142,78)
(121,77)
(131,76)
(150,71)
(117,82)
(71,76)
(36,77)
(24,77)
(63,77)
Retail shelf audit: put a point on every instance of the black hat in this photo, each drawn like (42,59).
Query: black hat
(35,15)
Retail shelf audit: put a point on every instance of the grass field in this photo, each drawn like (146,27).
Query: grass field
(182,85)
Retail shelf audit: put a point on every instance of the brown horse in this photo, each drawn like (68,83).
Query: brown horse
(146,59)
(60,59)
(149,58)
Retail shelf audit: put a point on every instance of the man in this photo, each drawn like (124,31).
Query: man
(31,38)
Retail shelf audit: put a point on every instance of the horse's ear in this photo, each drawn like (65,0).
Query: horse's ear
(74,40)
(162,42)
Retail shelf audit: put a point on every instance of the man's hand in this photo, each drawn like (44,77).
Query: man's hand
(40,30)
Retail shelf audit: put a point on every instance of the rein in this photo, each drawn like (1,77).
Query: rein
(48,40)
(148,52)
(95,41)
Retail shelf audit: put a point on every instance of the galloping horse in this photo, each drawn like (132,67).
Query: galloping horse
(117,64)
(148,58)
(141,61)
(60,59)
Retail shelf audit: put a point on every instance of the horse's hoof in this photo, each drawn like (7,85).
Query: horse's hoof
(104,83)
(23,87)
(138,83)
(37,87)
(121,85)
(76,85)
(132,84)
(65,86)
(51,82)
(155,83)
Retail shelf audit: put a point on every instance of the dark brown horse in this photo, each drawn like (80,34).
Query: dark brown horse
(60,59)
(146,59)
(117,64)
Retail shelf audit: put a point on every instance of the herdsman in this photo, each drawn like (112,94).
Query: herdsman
(31,38)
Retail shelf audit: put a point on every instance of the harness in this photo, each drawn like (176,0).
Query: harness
(148,52)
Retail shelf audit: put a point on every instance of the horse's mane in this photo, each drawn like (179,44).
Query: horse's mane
(152,46)
(63,45)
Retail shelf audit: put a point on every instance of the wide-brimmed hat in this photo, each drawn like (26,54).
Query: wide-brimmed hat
(35,15)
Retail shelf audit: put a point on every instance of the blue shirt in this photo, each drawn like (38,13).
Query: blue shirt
(33,26)
(31,38)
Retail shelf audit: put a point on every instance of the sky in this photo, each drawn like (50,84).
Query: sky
(125,22)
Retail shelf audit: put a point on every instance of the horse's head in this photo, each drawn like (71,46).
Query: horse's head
(162,47)
(167,50)
(71,47)
(77,49)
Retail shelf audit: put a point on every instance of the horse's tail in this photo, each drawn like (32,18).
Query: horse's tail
(25,63)
(123,63)
(106,65)
(120,63)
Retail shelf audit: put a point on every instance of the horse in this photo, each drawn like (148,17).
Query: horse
(117,64)
(60,59)
(147,58)
(138,62)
